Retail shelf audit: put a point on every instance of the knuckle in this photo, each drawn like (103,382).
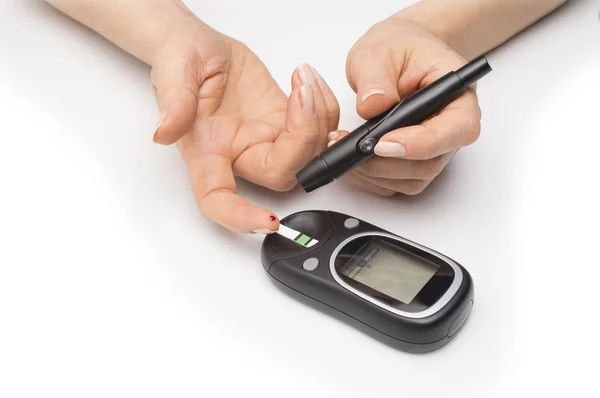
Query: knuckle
(369,168)
(322,113)
(279,182)
(472,129)
(386,193)
(427,145)
(431,168)
(362,57)
(414,187)
(476,126)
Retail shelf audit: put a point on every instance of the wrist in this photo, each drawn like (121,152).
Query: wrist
(165,18)
(442,27)
(472,27)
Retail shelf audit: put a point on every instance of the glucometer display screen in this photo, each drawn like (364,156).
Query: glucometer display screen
(386,268)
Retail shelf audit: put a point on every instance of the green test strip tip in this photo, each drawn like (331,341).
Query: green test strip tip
(303,239)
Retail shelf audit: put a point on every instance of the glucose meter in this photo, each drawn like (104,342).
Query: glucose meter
(396,290)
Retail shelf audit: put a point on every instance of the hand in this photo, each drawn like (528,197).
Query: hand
(228,116)
(392,60)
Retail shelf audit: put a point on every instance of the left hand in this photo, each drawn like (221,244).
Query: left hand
(228,116)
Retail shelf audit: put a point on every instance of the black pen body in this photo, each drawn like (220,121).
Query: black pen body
(359,145)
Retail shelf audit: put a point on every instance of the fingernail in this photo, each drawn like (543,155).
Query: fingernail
(369,93)
(333,135)
(163,115)
(308,99)
(390,149)
(330,143)
(264,231)
(307,76)
(320,80)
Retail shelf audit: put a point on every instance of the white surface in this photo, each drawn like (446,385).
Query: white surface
(111,284)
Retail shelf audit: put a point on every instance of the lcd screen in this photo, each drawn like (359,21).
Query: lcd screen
(387,269)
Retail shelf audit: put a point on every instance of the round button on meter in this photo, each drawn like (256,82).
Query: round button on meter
(351,223)
(311,264)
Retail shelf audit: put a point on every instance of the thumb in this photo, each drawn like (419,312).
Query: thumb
(373,75)
(176,92)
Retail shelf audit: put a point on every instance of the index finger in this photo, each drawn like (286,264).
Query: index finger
(213,183)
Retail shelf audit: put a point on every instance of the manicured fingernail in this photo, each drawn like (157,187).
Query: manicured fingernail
(163,115)
(308,98)
(264,231)
(370,93)
(272,218)
(333,135)
(307,76)
(330,143)
(390,149)
(320,80)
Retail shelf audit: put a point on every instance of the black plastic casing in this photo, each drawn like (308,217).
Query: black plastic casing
(283,260)
(358,146)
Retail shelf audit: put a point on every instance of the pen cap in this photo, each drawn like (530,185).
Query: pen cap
(314,175)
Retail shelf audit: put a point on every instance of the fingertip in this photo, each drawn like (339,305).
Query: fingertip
(296,80)
(390,149)
(156,137)
(307,98)
(167,132)
(370,93)
(301,110)
(266,222)
(374,102)
(237,214)
(337,135)
(175,120)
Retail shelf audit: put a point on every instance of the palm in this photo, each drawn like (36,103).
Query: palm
(229,117)
(243,111)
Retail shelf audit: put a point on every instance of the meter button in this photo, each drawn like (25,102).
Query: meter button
(311,264)
(351,223)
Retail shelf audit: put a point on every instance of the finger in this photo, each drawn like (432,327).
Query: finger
(213,184)
(275,164)
(333,106)
(305,75)
(407,187)
(402,169)
(417,75)
(373,74)
(458,125)
(353,179)
(176,91)
(335,136)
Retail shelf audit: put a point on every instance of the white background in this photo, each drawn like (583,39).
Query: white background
(111,283)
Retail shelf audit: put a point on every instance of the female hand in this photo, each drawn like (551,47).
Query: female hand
(228,116)
(392,60)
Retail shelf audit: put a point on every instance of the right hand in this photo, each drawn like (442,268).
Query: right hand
(229,116)
(391,61)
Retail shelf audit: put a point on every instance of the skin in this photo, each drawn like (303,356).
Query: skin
(226,114)
(411,49)
(219,104)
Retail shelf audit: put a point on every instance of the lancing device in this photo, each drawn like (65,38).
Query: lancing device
(359,145)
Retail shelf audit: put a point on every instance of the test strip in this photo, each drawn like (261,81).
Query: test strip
(298,237)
